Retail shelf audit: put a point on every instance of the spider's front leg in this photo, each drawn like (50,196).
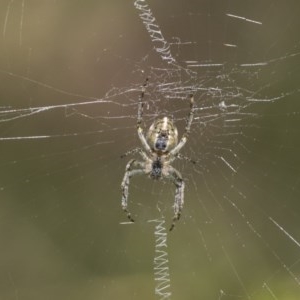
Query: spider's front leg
(140,119)
(176,177)
(126,180)
(189,122)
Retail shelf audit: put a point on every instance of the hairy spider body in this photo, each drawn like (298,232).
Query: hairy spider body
(161,148)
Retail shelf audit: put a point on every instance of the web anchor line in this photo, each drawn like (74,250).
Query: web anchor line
(161,262)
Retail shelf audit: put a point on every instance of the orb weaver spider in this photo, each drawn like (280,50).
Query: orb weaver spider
(161,148)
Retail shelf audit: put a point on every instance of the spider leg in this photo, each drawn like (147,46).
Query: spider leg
(134,151)
(187,128)
(141,103)
(140,119)
(129,172)
(176,177)
(180,156)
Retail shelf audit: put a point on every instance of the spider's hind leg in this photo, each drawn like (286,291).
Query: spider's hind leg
(176,177)
(125,183)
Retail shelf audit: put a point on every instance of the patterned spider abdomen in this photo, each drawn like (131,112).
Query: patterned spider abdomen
(156,169)
(162,135)
(161,141)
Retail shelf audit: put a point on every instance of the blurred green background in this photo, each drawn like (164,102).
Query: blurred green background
(60,169)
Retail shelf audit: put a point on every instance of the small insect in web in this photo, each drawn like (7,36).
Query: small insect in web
(160,149)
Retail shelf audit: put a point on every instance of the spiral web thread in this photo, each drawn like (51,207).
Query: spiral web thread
(161,262)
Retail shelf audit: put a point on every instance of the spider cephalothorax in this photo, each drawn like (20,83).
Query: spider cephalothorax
(161,148)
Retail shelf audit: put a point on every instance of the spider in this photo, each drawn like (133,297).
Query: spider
(161,148)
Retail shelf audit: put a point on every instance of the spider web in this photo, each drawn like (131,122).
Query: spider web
(71,76)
